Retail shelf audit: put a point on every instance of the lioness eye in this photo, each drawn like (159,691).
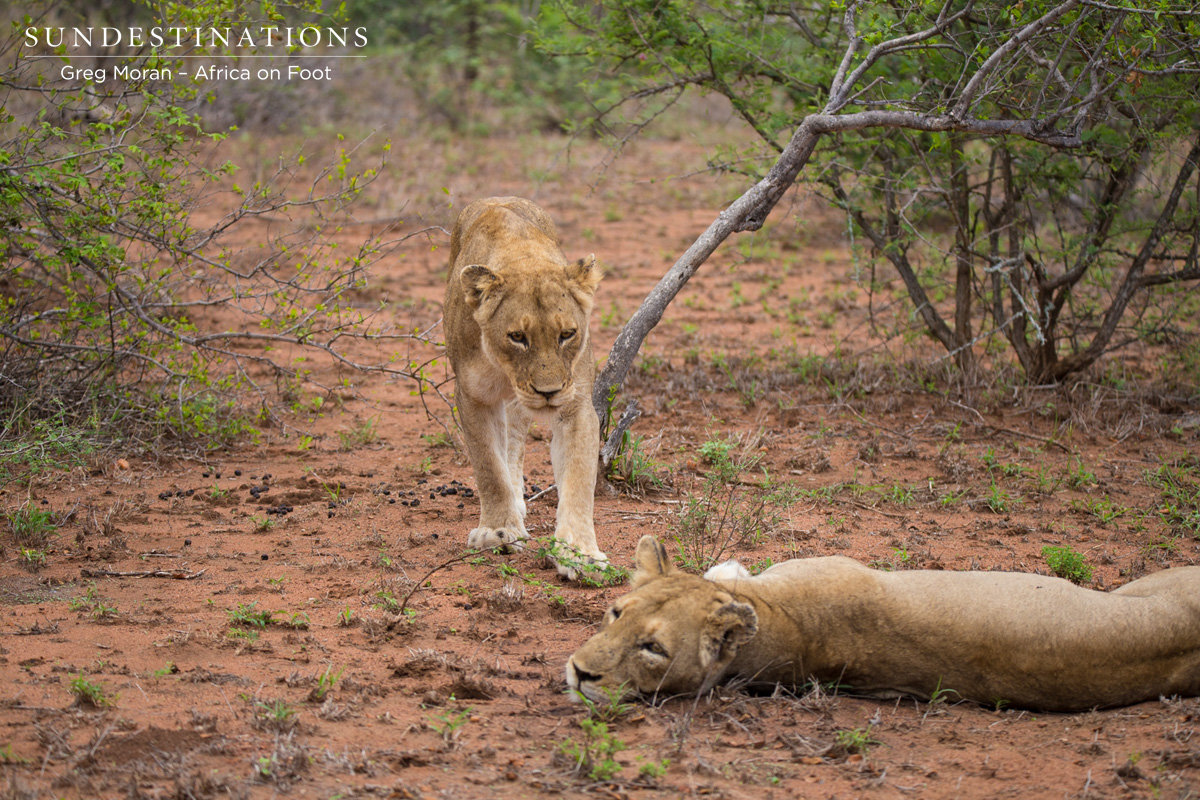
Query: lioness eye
(655,648)
(566,336)
(517,337)
(616,613)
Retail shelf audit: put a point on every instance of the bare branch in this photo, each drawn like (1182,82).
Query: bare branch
(1004,52)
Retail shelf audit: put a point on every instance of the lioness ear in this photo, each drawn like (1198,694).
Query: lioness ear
(477,280)
(725,630)
(586,274)
(651,561)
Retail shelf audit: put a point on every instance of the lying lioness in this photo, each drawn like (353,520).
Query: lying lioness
(1000,638)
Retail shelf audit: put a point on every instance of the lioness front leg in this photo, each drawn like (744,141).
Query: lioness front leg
(573,455)
(502,508)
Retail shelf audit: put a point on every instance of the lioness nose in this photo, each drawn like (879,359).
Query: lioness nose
(583,677)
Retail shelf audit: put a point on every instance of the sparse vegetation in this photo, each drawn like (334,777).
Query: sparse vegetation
(632,468)
(325,683)
(448,723)
(247,615)
(275,715)
(30,526)
(594,755)
(854,741)
(727,509)
(1065,562)
(90,694)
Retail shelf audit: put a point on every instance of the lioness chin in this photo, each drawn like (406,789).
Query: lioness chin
(991,637)
(516,320)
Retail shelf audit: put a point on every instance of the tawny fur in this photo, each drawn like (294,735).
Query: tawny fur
(1002,638)
(516,320)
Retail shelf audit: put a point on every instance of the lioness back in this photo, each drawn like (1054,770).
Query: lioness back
(506,218)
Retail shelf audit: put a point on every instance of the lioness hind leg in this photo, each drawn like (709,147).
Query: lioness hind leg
(573,454)
(502,508)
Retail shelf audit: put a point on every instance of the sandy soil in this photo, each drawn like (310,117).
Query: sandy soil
(238,617)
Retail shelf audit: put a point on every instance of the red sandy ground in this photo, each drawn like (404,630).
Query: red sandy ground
(465,697)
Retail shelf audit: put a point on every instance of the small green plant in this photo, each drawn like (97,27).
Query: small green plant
(901,559)
(611,708)
(248,616)
(727,509)
(7,756)
(299,621)
(1079,476)
(854,740)
(325,683)
(901,495)
(652,770)
(363,435)
(262,524)
(761,566)
(1102,508)
(1065,562)
(275,715)
(716,451)
(31,526)
(247,634)
(104,613)
(999,500)
(939,695)
(1044,480)
(595,755)
(345,618)
(1180,496)
(89,694)
(33,559)
(30,446)
(216,492)
(86,601)
(587,572)
(449,722)
(387,601)
(632,467)
(437,439)
(335,491)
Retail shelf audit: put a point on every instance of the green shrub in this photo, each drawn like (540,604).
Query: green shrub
(108,275)
(1067,563)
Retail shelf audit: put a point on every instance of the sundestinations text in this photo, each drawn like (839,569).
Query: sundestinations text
(196,37)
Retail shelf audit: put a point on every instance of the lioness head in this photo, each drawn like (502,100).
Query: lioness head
(535,325)
(673,633)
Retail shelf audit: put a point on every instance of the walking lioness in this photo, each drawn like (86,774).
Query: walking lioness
(516,325)
(993,637)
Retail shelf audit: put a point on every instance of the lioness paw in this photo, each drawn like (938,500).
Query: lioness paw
(574,565)
(506,540)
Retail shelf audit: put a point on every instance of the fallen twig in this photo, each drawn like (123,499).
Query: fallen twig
(177,574)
